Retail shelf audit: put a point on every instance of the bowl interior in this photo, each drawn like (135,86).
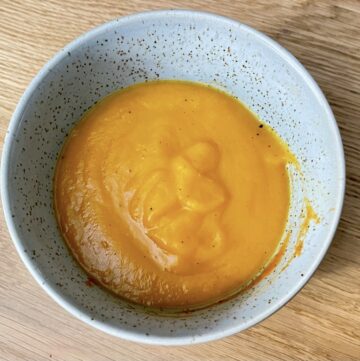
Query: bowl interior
(168,45)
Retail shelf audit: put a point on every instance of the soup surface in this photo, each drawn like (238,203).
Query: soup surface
(172,194)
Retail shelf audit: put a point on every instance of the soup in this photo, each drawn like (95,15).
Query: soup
(172,194)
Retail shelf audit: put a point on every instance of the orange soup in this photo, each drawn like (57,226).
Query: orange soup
(172,194)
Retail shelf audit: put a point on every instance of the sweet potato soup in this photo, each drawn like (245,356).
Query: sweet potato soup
(172,194)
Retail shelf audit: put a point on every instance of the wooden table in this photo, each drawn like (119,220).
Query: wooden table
(323,321)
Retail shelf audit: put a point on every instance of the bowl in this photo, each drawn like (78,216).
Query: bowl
(183,45)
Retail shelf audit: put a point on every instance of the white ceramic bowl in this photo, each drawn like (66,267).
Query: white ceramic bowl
(168,45)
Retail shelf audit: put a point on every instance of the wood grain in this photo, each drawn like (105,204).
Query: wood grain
(323,321)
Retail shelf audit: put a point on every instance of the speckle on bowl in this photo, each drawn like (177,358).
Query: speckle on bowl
(183,45)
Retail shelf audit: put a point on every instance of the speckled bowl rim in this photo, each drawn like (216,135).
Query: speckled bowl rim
(55,293)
